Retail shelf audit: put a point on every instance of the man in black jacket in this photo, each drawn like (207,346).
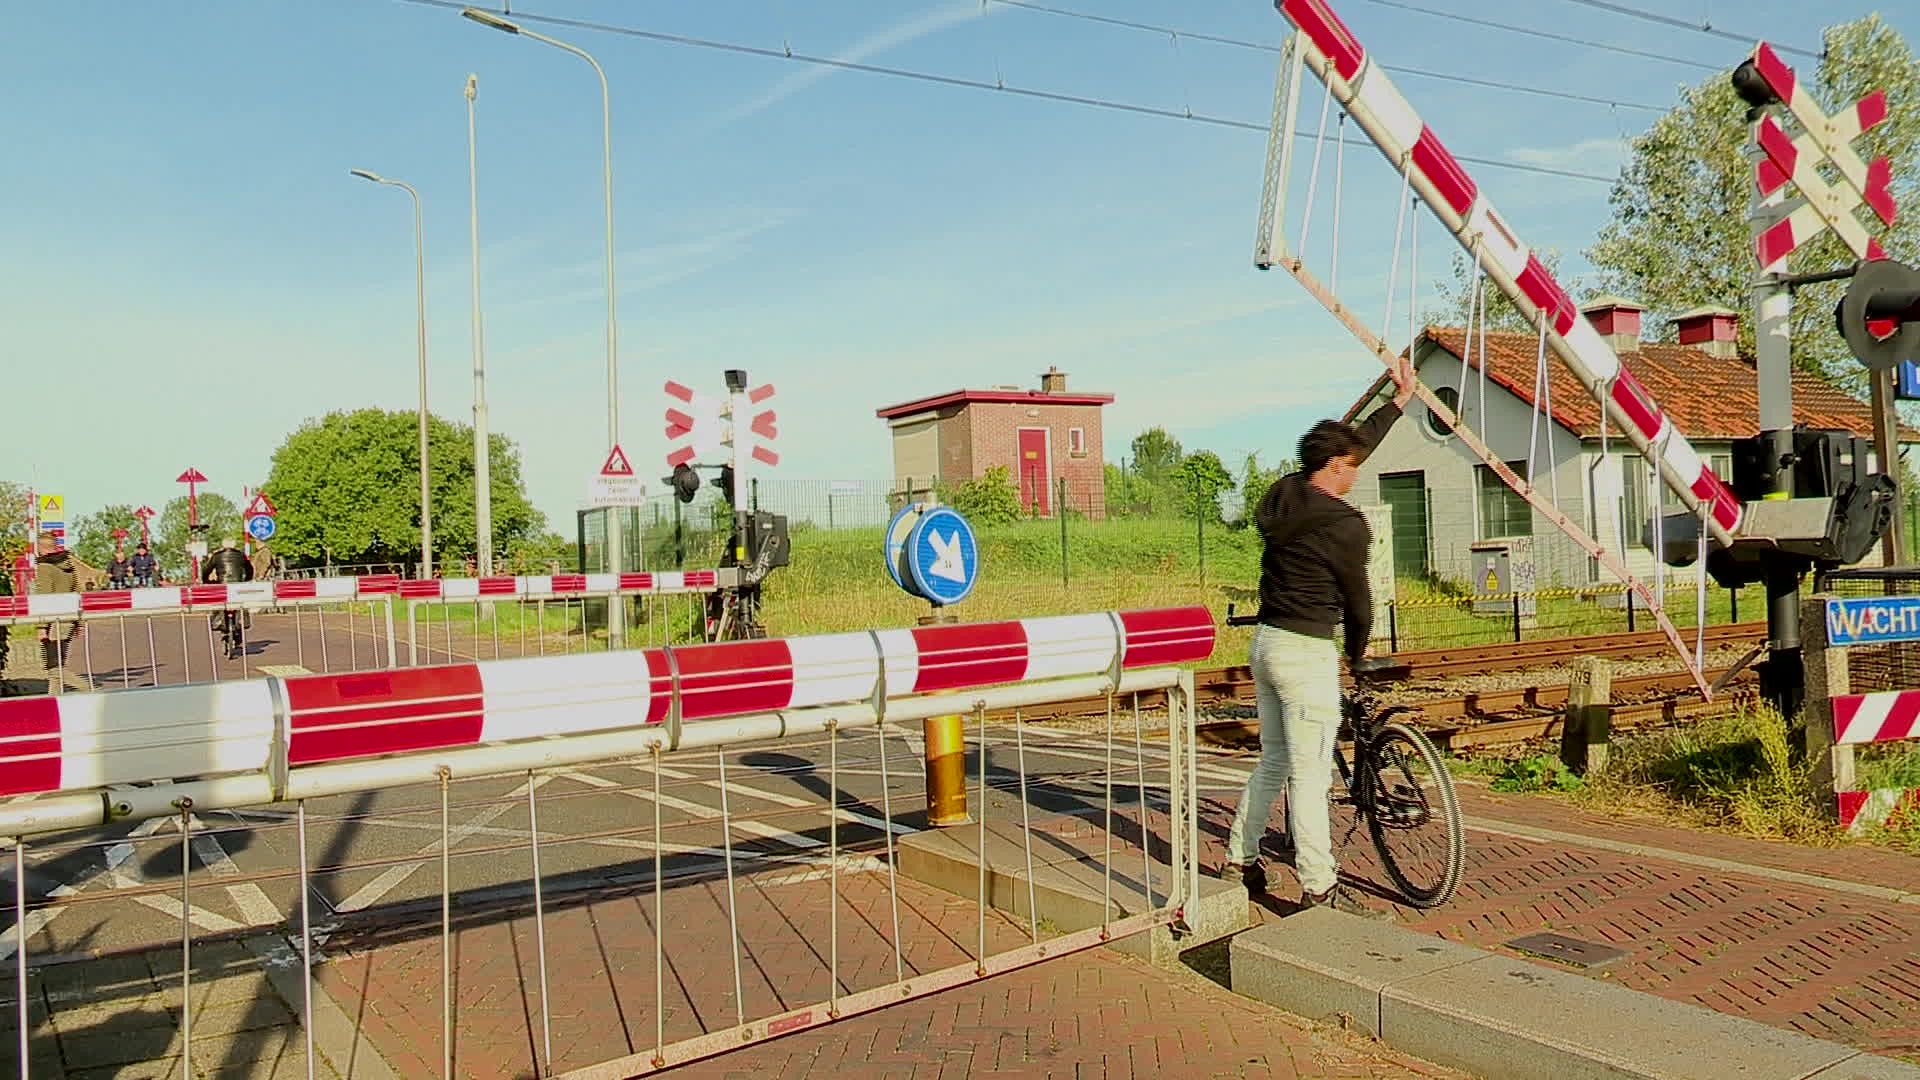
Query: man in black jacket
(1313,576)
(144,568)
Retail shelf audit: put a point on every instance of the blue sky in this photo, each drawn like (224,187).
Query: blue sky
(191,271)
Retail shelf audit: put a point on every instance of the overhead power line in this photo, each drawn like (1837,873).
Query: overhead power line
(1261,46)
(1550,35)
(997,86)
(1702,27)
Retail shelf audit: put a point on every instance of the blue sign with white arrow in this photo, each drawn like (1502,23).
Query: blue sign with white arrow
(942,556)
(260,527)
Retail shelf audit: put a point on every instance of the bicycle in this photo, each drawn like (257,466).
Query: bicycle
(227,622)
(1397,783)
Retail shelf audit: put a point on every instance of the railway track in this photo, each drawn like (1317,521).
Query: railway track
(1520,655)
(1488,717)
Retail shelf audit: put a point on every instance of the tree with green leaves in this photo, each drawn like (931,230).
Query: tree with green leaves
(1199,479)
(93,534)
(1680,238)
(347,486)
(1155,455)
(1255,479)
(170,538)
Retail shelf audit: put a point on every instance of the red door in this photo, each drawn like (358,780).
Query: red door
(1036,472)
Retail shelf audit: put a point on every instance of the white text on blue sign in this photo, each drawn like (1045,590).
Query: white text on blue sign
(1868,619)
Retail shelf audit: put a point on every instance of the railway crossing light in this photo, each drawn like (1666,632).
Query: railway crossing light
(685,481)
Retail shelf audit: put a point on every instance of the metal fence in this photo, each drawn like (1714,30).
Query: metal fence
(1893,666)
(313,738)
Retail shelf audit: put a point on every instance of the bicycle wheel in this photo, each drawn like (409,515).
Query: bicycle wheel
(1415,816)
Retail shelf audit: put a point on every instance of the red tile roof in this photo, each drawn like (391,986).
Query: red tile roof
(1708,397)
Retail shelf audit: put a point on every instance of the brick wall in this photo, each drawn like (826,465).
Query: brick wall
(956,446)
(993,437)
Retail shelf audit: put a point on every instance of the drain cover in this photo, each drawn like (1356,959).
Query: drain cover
(1567,950)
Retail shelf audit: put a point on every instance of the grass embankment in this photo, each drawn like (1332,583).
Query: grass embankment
(837,580)
(1731,773)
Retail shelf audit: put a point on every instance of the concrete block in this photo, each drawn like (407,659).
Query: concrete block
(1869,1067)
(1324,964)
(1069,887)
(1500,1017)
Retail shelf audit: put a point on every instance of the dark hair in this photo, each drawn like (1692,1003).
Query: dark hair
(1325,441)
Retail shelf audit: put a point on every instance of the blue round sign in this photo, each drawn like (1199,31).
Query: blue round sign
(942,556)
(894,545)
(260,527)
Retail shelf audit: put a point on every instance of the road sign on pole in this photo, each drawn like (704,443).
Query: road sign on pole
(262,506)
(615,484)
(261,527)
(942,556)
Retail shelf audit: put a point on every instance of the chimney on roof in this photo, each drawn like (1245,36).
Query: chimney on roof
(1053,381)
(1713,330)
(1617,320)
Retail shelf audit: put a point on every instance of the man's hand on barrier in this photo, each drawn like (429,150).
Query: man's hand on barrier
(1403,381)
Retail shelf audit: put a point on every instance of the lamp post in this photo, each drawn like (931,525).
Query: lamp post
(420,295)
(486,18)
(482,482)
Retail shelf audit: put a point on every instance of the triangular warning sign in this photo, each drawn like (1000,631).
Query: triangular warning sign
(616,463)
(262,505)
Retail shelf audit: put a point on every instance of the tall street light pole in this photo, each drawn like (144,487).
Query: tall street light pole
(482,481)
(420,296)
(614,544)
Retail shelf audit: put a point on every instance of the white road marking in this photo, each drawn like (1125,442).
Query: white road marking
(393,876)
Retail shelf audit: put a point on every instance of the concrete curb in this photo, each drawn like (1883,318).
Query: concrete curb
(1070,888)
(1501,1017)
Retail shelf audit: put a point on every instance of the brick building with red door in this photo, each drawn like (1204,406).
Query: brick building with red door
(1042,437)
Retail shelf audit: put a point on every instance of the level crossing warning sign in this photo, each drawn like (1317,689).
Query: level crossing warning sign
(615,484)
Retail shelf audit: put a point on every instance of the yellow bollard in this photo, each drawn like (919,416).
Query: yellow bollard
(946,770)
(946,766)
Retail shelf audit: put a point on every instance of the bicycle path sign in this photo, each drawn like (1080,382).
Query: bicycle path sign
(931,553)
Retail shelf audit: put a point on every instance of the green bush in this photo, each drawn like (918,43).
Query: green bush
(987,500)
(1541,772)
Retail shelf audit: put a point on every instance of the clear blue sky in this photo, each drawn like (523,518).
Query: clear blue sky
(191,272)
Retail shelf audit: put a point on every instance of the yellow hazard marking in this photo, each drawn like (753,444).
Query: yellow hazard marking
(52,506)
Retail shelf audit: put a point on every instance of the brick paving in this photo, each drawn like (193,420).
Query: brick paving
(1828,963)
(119,1016)
(1091,1014)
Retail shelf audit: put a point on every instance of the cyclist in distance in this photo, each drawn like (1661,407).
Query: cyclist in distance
(227,566)
(1313,578)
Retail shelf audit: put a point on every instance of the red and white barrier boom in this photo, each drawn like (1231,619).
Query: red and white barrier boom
(1364,90)
(93,758)
(296,592)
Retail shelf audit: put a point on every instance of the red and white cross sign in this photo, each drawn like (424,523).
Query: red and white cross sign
(1796,160)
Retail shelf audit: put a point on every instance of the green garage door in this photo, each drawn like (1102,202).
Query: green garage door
(1406,494)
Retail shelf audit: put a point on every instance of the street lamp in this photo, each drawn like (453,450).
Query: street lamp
(486,18)
(482,482)
(420,293)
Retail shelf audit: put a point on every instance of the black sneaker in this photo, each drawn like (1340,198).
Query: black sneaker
(1340,900)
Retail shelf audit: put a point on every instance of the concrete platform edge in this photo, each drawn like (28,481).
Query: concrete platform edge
(1069,891)
(1503,1017)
